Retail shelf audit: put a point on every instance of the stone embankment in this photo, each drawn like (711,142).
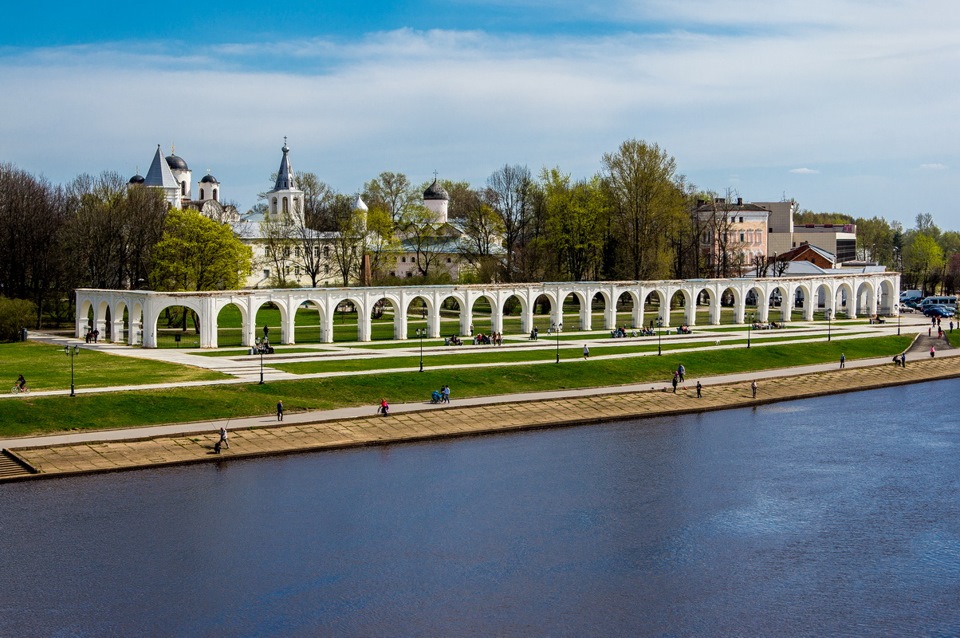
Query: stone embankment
(581,407)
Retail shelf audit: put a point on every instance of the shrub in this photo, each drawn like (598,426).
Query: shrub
(15,314)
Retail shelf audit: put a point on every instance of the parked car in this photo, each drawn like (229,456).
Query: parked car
(906,308)
(939,311)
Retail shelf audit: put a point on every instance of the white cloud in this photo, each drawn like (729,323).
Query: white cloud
(856,95)
(933,167)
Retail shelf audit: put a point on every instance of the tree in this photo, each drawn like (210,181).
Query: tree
(197,253)
(278,233)
(391,192)
(923,258)
(482,231)
(508,194)
(647,205)
(420,232)
(875,241)
(348,245)
(576,215)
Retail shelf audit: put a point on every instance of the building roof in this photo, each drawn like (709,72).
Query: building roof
(160,173)
(177,163)
(435,191)
(791,254)
(285,179)
(359,204)
(209,179)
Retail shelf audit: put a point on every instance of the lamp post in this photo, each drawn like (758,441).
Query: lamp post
(421,332)
(829,313)
(659,332)
(71,352)
(749,327)
(557,327)
(260,348)
(898,321)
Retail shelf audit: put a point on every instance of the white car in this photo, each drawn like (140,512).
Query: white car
(904,308)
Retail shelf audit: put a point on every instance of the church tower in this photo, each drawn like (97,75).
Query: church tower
(436,200)
(183,175)
(285,196)
(161,177)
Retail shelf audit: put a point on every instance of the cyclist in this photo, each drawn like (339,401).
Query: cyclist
(21,383)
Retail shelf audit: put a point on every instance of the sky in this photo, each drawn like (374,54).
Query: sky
(846,106)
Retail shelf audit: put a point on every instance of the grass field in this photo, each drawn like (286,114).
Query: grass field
(46,367)
(125,409)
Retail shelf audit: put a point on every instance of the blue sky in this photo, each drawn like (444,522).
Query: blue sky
(847,106)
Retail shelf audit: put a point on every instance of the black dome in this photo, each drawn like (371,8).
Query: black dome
(209,179)
(176,163)
(435,191)
(137,179)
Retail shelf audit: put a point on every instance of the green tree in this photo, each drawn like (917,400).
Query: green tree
(648,208)
(197,253)
(923,258)
(508,193)
(576,216)
(391,192)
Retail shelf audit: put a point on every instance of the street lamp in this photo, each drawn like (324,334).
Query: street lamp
(557,327)
(750,318)
(898,321)
(421,332)
(659,332)
(829,313)
(71,353)
(260,349)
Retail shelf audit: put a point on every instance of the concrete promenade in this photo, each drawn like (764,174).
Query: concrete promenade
(71,454)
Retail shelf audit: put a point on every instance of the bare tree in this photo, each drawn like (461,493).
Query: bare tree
(508,194)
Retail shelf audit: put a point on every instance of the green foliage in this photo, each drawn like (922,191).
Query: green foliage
(197,253)
(15,314)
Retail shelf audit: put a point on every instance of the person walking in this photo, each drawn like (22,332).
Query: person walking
(903,359)
(681,371)
(753,387)
(446,394)
(676,380)
(699,390)
(384,409)
(280,410)
(933,352)
(586,352)
(843,361)
(223,437)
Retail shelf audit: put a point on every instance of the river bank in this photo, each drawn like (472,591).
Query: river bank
(193,443)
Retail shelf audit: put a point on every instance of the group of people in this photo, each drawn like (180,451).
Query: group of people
(494,339)
(453,340)
(757,325)
(441,396)
(92,336)
(621,332)
(678,378)
(683,329)
(935,323)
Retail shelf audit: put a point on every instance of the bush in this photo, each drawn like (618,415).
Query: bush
(15,315)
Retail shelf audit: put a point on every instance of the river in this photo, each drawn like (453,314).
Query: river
(833,516)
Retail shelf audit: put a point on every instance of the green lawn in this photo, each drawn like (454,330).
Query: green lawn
(46,367)
(124,409)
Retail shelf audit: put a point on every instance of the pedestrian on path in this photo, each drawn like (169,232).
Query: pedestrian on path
(384,409)
(933,352)
(586,352)
(223,437)
(676,380)
(681,371)
(903,359)
(446,394)
(753,387)
(843,361)
(699,390)
(280,410)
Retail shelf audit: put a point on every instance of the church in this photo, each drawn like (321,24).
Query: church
(173,177)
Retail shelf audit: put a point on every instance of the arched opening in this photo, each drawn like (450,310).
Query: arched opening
(308,323)
(286,205)
(230,326)
(178,327)
(705,308)
(482,313)
(570,317)
(450,319)
(268,324)
(655,309)
(678,306)
(625,308)
(418,317)
(346,326)
(513,315)
(216,194)
(201,193)
(729,303)
(802,309)
(864,300)
(844,301)
(385,321)
(542,311)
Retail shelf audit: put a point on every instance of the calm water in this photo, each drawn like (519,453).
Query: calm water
(834,516)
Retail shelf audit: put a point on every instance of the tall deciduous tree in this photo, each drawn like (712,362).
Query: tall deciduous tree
(508,193)
(391,192)
(648,207)
(197,253)
(576,215)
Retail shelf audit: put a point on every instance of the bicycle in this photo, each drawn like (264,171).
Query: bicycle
(18,390)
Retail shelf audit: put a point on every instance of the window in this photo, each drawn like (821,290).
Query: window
(296,270)
(741,220)
(326,251)
(326,269)
(274,207)
(741,237)
(183,188)
(449,260)
(286,205)
(215,194)
(201,193)
(410,274)
(266,273)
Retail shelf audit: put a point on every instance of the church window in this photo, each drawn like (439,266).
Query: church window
(215,194)
(183,188)
(201,193)
(286,205)
(274,204)
(449,260)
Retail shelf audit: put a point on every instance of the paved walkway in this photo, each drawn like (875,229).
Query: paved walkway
(62,455)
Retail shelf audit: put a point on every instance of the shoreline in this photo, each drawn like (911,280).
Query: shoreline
(313,432)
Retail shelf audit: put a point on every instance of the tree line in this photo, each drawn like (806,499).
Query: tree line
(633,219)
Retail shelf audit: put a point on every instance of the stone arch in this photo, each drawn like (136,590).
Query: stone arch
(732,298)
(704,298)
(865,302)
(802,298)
(888,299)
(121,328)
(655,302)
(229,334)
(542,309)
(418,312)
(779,299)
(755,304)
(305,328)
(151,322)
(562,316)
(627,302)
(516,304)
(347,308)
(845,302)
(484,323)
